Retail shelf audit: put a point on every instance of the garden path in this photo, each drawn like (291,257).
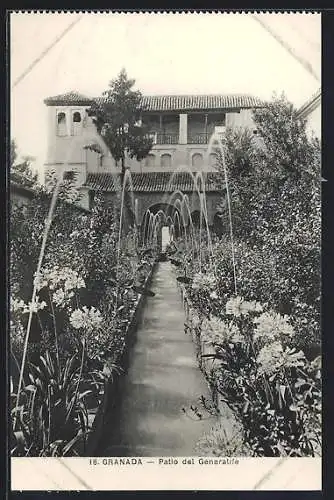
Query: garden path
(163,377)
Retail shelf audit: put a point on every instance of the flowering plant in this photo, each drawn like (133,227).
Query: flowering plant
(258,369)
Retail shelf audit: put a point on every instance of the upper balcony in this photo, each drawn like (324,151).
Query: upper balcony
(172,129)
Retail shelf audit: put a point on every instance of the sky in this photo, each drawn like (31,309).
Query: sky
(164,53)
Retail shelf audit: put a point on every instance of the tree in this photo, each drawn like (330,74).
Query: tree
(117,118)
(276,211)
(286,172)
(21,173)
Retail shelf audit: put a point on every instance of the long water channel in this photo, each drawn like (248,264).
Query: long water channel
(162,379)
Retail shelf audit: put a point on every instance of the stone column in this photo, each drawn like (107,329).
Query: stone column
(183,128)
(232,120)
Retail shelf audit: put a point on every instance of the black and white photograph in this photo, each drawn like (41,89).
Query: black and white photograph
(165,243)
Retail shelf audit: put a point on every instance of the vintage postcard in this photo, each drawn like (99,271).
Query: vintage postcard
(165,216)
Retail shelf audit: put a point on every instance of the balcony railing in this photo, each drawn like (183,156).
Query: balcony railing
(198,138)
(167,138)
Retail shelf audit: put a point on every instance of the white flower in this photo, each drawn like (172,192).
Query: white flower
(34,306)
(213,295)
(74,281)
(272,326)
(77,319)
(58,297)
(201,280)
(16,305)
(57,277)
(237,306)
(254,306)
(87,319)
(270,358)
(218,331)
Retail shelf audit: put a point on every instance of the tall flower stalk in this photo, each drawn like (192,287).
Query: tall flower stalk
(48,223)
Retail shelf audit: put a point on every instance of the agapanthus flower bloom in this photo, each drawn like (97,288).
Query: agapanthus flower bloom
(17,305)
(60,298)
(272,326)
(85,318)
(58,277)
(270,358)
(201,280)
(273,358)
(237,306)
(34,306)
(218,331)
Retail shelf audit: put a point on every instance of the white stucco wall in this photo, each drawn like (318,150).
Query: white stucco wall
(313,122)
(67,151)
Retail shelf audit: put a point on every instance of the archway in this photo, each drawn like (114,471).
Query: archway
(197,160)
(161,223)
(196,218)
(218,225)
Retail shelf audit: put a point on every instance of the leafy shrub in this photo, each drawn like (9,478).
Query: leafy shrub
(87,292)
(51,415)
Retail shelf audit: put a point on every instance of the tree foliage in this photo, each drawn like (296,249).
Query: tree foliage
(21,172)
(117,117)
(275,194)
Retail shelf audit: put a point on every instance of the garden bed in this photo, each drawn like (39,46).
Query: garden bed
(105,415)
(204,351)
(271,392)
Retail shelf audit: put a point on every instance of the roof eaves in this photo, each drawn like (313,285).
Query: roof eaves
(310,104)
(170,102)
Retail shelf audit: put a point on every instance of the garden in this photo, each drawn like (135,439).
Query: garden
(251,297)
(87,292)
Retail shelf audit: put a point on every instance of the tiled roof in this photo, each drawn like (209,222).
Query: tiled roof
(311,102)
(71,97)
(199,102)
(170,102)
(158,182)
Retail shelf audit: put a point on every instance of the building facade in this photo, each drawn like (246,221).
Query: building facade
(180,127)
(311,112)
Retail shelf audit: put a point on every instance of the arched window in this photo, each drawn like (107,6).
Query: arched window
(196,217)
(197,160)
(61,124)
(76,117)
(150,160)
(213,160)
(76,123)
(69,175)
(166,160)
